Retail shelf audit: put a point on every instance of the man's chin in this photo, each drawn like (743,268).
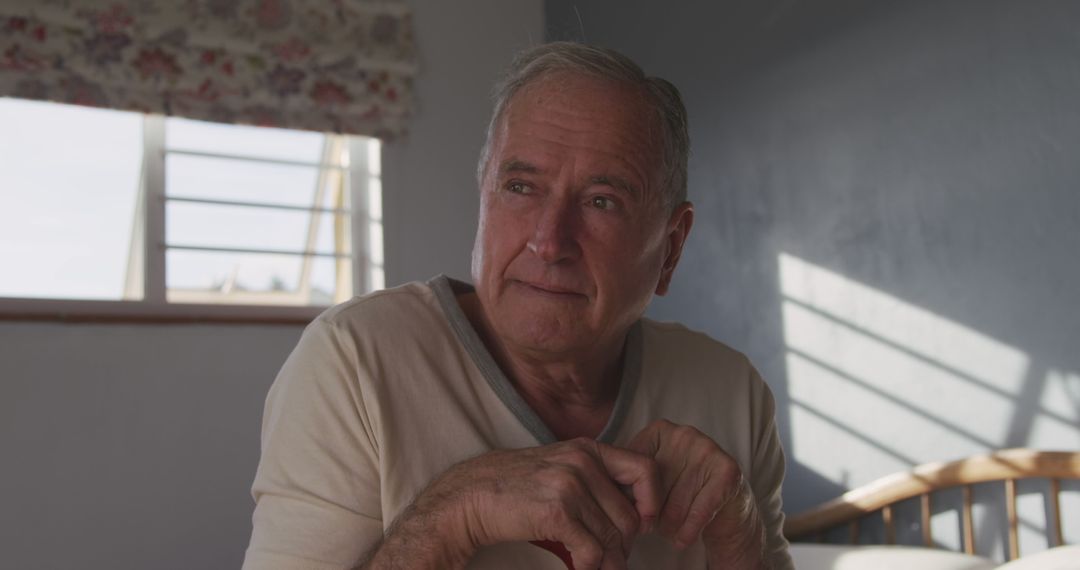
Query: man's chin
(541,347)
(541,334)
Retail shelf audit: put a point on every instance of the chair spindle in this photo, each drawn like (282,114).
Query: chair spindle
(1010,505)
(1055,511)
(927,537)
(890,528)
(968,524)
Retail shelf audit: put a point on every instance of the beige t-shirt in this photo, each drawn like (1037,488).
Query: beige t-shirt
(385,392)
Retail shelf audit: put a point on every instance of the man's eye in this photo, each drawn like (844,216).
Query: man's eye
(517,188)
(602,202)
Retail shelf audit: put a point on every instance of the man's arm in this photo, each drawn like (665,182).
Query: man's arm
(317,489)
(768,466)
(564,492)
(423,536)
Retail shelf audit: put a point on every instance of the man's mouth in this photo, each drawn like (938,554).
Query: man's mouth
(550,289)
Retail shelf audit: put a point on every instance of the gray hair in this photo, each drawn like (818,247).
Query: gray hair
(661,95)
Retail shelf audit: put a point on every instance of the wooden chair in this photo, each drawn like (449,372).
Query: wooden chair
(1007,466)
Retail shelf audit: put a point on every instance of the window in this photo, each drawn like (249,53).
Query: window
(117,206)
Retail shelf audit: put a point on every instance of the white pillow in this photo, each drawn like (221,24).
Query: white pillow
(1059,558)
(872,557)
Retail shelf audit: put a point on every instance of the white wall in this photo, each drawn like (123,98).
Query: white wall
(134,446)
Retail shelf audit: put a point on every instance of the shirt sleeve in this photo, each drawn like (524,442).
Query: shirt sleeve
(768,475)
(317,486)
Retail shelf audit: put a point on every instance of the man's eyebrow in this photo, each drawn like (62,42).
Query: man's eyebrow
(616,182)
(515,165)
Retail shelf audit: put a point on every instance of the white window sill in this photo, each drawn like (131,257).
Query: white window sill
(85,311)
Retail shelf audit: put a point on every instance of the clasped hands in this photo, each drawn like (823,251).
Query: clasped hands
(596,499)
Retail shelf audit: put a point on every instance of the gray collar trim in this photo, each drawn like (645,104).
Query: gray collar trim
(446,291)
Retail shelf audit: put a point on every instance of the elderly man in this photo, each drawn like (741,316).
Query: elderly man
(535,415)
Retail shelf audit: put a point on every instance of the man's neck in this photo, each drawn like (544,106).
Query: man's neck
(574,400)
(574,394)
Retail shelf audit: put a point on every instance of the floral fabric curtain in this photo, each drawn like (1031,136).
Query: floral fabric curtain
(325,65)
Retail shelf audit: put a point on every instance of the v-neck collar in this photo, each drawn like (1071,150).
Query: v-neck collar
(446,291)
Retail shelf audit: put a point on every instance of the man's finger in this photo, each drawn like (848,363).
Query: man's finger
(639,472)
(683,490)
(709,500)
(647,441)
(617,507)
(585,549)
(611,540)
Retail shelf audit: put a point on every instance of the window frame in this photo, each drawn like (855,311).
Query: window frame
(149,226)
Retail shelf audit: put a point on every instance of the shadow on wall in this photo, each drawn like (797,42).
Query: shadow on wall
(876,377)
(845,338)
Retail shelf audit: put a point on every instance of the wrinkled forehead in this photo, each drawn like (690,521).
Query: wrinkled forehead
(617,109)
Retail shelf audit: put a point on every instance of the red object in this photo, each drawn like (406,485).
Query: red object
(557,549)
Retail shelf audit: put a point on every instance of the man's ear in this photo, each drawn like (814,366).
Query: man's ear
(678,228)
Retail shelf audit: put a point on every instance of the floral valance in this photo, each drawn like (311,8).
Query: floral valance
(325,65)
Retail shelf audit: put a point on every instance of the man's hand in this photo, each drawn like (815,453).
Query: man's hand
(704,495)
(565,492)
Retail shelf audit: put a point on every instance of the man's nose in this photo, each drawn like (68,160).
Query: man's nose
(554,238)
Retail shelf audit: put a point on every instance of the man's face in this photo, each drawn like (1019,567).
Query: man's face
(574,237)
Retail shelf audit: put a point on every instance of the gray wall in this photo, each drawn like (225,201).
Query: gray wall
(134,446)
(888,219)
(131,446)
